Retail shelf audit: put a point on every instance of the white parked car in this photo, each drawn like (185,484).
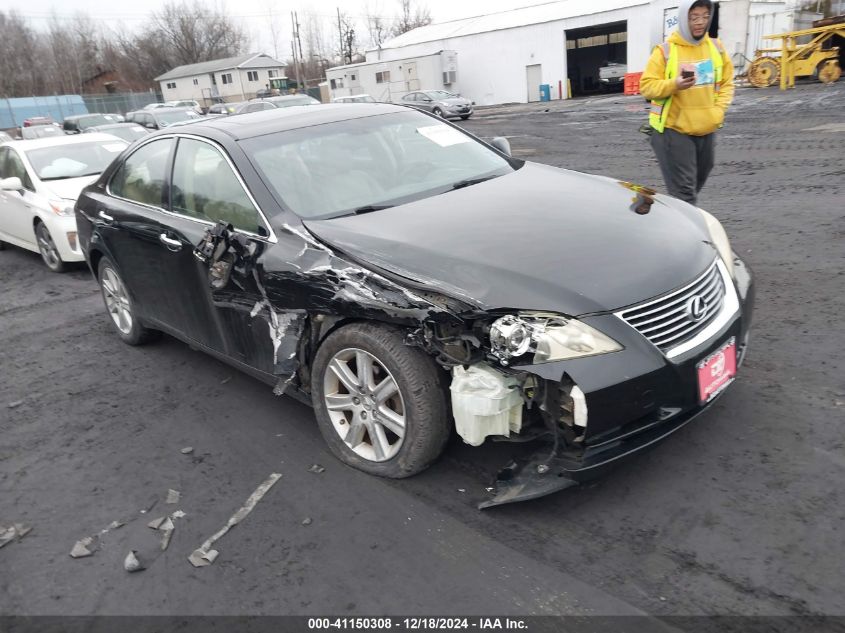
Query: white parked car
(40,180)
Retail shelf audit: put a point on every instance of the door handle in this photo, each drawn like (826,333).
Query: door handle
(105,216)
(173,245)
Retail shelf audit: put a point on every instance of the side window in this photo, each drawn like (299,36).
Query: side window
(142,176)
(205,187)
(15,167)
(4,152)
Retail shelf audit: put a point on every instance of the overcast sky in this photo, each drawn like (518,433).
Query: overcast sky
(255,15)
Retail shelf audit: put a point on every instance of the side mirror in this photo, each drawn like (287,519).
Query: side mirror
(501,144)
(11,184)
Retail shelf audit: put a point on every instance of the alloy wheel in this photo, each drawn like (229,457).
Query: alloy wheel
(364,404)
(117,300)
(47,248)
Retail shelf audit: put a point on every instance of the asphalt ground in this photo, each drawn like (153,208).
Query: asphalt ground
(739,513)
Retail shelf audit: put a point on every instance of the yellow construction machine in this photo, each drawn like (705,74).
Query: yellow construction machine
(815,58)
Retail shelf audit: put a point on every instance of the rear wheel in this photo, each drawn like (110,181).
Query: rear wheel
(120,307)
(379,403)
(47,248)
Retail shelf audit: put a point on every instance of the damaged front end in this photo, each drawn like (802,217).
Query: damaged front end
(588,390)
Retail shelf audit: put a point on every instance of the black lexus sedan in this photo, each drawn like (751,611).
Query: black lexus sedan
(409,279)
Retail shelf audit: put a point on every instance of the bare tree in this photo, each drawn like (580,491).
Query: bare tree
(18,47)
(193,33)
(411,17)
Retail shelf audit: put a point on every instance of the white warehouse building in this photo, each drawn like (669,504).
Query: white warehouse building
(506,57)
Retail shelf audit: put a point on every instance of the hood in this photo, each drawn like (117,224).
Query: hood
(683,24)
(70,188)
(539,238)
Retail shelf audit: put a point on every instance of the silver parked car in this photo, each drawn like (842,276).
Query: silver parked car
(439,102)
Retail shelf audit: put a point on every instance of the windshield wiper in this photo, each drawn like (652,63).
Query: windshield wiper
(370,208)
(471,181)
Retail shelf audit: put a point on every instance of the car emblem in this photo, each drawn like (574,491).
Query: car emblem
(696,308)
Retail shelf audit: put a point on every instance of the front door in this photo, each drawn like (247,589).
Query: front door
(534,75)
(226,292)
(16,214)
(411,77)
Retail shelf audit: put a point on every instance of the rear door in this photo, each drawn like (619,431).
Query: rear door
(133,229)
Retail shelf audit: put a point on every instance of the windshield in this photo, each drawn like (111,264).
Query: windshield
(90,121)
(127,133)
(74,160)
(294,101)
(355,165)
(166,118)
(40,131)
(440,94)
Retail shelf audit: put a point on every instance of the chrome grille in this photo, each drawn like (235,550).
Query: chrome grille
(668,321)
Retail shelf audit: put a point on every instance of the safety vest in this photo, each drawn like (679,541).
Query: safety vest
(660,107)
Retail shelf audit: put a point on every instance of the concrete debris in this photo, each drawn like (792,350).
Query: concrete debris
(166,530)
(114,525)
(316,468)
(204,555)
(131,562)
(15,404)
(462,489)
(225,380)
(12,532)
(201,558)
(156,523)
(80,549)
(187,450)
(173,496)
(166,526)
(840,403)
(307,521)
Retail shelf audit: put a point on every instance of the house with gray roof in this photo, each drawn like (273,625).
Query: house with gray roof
(231,79)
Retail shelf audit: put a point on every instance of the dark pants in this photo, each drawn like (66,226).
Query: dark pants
(685,161)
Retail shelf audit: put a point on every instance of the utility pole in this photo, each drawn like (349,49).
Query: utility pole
(293,50)
(340,36)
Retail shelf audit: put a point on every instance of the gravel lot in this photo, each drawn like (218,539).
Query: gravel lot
(739,513)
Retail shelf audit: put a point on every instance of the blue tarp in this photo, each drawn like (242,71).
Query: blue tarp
(14,111)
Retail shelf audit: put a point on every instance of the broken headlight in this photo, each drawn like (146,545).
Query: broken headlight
(548,337)
(720,240)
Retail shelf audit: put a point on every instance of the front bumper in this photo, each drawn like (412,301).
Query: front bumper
(65,237)
(635,398)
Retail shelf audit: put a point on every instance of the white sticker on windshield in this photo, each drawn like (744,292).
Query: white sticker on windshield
(114,147)
(443,135)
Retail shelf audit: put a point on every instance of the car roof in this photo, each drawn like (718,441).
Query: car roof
(53,141)
(254,124)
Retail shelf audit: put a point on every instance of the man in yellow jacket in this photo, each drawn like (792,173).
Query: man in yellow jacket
(689,80)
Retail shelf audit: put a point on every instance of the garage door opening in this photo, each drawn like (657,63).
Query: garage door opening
(590,49)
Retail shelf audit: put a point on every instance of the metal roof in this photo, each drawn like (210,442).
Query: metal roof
(253,60)
(525,16)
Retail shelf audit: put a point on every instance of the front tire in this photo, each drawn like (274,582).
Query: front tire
(465,116)
(379,403)
(437,112)
(47,248)
(119,305)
